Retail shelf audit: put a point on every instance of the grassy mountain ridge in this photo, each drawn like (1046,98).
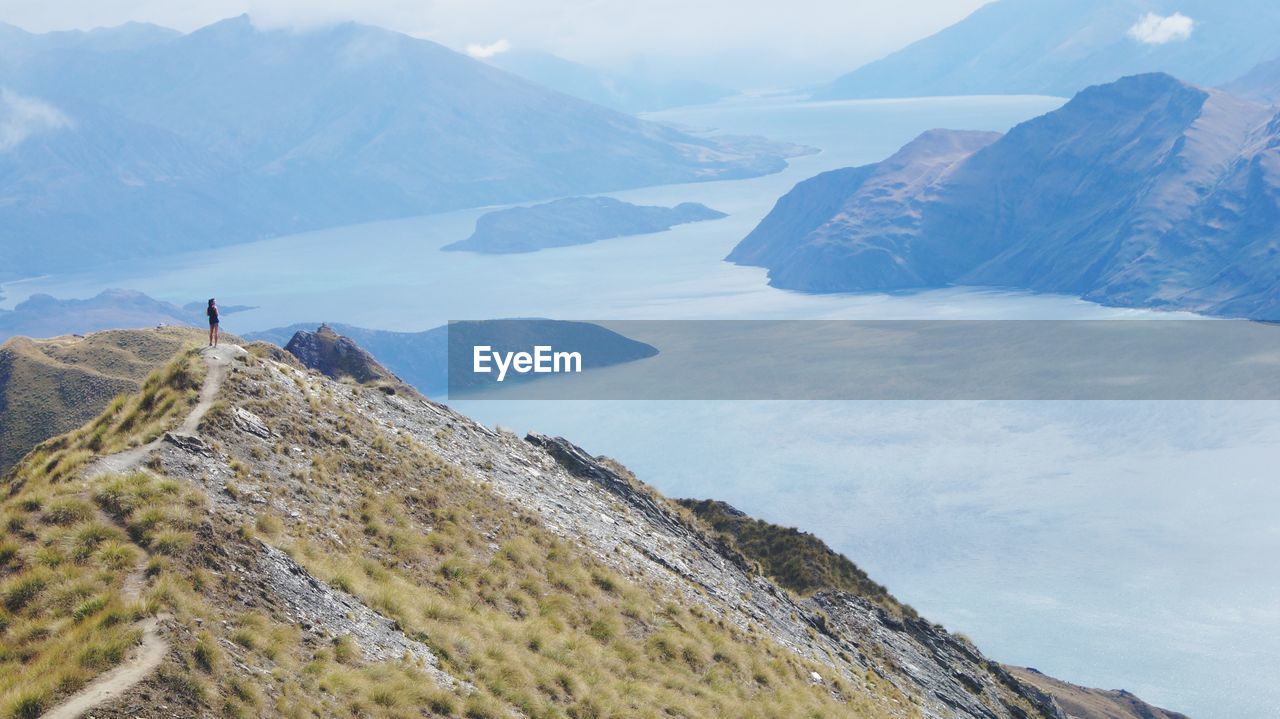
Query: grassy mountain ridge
(804,564)
(523,621)
(319,548)
(51,386)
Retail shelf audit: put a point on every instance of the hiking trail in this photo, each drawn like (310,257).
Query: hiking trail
(151,650)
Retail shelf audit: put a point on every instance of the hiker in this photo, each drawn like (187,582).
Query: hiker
(212,311)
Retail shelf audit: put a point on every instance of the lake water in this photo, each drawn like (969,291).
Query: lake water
(1113,544)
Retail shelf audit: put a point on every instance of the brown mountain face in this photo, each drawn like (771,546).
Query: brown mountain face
(1144,192)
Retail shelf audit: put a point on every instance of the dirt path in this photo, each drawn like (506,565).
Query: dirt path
(145,657)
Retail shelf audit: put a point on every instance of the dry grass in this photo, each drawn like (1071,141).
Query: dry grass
(68,545)
(535,623)
(52,386)
(539,626)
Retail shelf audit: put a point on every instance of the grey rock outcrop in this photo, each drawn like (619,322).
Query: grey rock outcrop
(336,356)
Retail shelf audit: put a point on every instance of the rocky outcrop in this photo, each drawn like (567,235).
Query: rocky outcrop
(329,613)
(333,355)
(913,652)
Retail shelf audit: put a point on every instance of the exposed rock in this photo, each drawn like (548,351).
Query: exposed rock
(915,653)
(340,357)
(250,422)
(330,613)
(188,443)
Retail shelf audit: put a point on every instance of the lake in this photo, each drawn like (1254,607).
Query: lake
(1112,544)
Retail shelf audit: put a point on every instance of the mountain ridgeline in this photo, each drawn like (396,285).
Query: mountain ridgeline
(296,544)
(1059,47)
(246,536)
(135,140)
(1145,192)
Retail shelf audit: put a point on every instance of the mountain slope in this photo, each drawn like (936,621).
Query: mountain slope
(1058,47)
(1146,192)
(1261,84)
(804,563)
(630,92)
(1084,703)
(796,560)
(311,546)
(52,386)
(231,134)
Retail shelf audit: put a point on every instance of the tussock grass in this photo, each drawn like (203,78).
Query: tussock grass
(796,560)
(538,625)
(69,545)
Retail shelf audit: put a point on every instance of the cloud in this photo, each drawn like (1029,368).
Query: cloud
(21,117)
(1153,29)
(483,52)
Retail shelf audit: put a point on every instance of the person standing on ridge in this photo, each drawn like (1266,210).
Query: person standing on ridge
(212,312)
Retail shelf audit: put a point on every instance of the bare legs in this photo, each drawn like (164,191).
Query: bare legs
(213,335)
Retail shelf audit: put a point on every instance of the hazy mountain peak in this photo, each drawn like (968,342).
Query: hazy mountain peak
(234,133)
(1057,47)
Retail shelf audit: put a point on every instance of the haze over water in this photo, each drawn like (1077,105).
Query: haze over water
(1110,544)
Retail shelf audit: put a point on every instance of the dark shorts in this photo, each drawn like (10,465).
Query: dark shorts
(213,323)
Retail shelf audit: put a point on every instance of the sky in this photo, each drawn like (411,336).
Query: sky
(746,43)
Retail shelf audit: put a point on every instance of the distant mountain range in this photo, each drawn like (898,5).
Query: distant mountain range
(46,316)
(574,221)
(630,92)
(1059,47)
(1145,192)
(138,140)
(1262,83)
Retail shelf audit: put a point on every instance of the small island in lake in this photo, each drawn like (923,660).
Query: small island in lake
(574,221)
